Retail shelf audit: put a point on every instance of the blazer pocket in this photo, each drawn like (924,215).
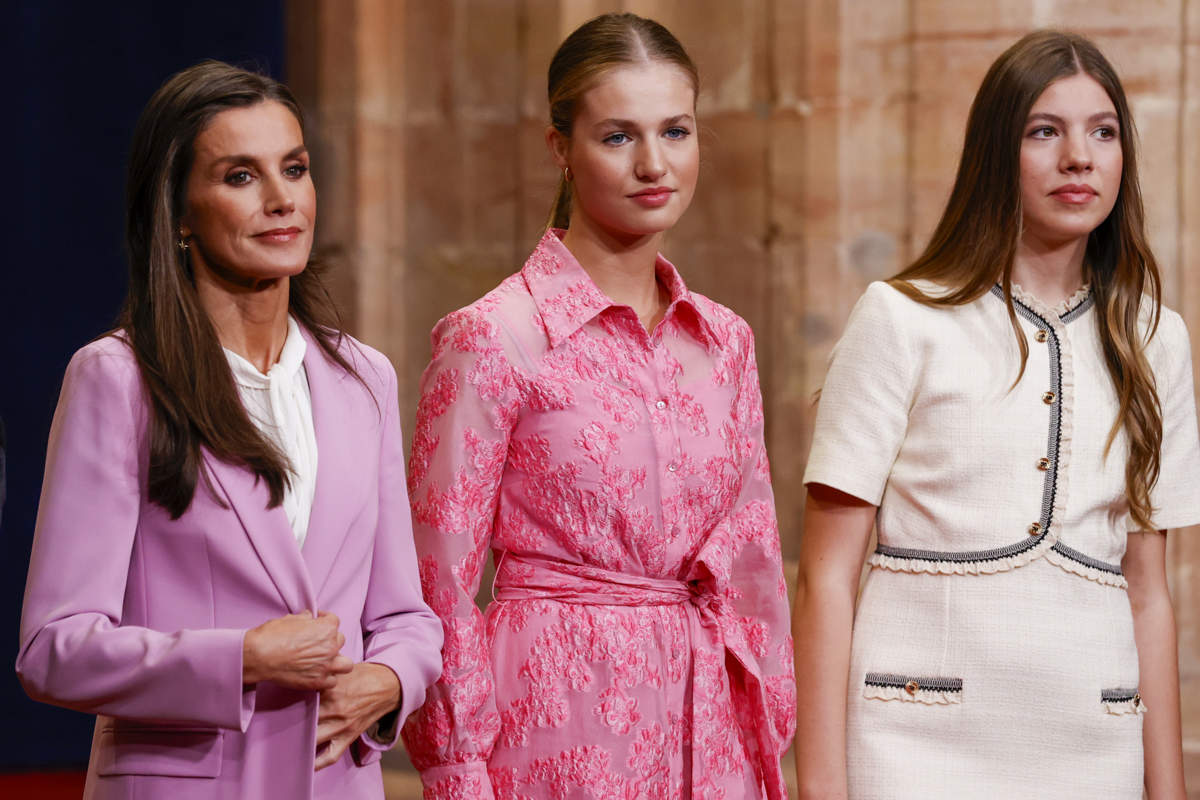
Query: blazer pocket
(912,688)
(150,750)
(1122,701)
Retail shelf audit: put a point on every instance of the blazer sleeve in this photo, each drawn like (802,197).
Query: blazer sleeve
(400,630)
(74,651)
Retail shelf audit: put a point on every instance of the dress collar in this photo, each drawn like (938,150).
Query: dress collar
(567,298)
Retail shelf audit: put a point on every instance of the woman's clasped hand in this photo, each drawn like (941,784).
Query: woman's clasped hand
(299,651)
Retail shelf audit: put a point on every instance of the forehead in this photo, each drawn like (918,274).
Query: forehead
(1079,93)
(262,129)
(635,91)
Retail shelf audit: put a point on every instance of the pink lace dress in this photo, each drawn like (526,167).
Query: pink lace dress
(638,645)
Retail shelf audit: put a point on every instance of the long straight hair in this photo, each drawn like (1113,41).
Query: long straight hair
(596,46)
(194,402)
(975,242)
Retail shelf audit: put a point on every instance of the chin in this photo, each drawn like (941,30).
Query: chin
(1072,232)
(1064,230)
(267,272)
(290,271)
(646,227)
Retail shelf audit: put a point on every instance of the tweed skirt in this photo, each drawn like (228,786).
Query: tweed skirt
(1018,684)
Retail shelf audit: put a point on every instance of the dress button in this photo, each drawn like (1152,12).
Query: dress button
(1043,464)
(661,405)
(672,466)
(1048,398)
(911,687)
(1035,529)
(1041,336)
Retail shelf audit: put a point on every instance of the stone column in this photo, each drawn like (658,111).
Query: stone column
(348,70)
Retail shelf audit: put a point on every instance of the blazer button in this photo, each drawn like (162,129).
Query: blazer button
(1043,464)
(911,687)
(1048,398)
(1035,529)
(1041,336)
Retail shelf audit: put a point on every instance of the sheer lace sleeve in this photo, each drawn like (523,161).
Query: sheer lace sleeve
(467,408)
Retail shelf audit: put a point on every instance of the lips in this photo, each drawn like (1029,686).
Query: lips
(1074,193)
(278,234)
(652,197)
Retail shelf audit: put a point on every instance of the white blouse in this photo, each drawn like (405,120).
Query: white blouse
(280,406)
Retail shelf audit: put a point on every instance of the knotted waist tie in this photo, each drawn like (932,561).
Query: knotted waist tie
(522,577)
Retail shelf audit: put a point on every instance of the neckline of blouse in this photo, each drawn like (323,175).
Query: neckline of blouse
(291,359)
(1058,310)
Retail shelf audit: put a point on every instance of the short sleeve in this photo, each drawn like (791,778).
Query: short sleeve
(1176,496)
(862,413)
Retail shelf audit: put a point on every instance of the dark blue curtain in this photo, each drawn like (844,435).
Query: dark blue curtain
(77,75)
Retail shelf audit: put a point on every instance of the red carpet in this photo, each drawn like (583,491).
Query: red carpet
(42,786)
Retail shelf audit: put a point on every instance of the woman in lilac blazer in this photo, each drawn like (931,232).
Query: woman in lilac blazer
(223,569)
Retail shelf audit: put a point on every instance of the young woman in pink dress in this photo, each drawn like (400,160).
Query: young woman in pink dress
(599,427)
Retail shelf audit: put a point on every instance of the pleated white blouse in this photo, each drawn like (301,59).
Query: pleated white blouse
(280,406)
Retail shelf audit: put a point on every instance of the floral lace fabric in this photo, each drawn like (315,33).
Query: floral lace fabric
(639,644)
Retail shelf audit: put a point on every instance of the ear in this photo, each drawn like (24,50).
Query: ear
(558,145)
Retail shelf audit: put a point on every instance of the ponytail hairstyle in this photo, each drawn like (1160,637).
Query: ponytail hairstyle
(610,40)
(975,242)
(194,403)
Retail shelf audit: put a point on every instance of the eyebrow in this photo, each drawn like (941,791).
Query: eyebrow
(241,158)
(1057,120)
(628,123)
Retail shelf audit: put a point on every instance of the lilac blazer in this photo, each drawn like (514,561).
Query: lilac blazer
(139,618)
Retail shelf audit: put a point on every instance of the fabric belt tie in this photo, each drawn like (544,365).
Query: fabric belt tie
(524,577)
(532,578)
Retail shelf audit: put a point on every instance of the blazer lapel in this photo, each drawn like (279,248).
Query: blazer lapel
(338,430)
(268,531)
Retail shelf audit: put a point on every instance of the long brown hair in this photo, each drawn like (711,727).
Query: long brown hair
(609,40)
(975,243)
(194,402)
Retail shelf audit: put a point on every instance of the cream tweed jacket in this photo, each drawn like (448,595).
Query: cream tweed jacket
(993,651)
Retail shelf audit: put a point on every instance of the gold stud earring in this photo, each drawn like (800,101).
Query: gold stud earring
(181,242)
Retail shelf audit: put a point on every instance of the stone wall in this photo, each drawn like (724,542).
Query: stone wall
(830,133)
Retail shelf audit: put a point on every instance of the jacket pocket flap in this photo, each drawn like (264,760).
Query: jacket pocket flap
(913,688)
(174,752)
(1120,702)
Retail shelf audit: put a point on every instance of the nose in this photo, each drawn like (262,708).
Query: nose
(650,165)
(277,197)
(1077,154)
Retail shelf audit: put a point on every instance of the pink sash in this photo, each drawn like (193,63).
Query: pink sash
(521,577)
